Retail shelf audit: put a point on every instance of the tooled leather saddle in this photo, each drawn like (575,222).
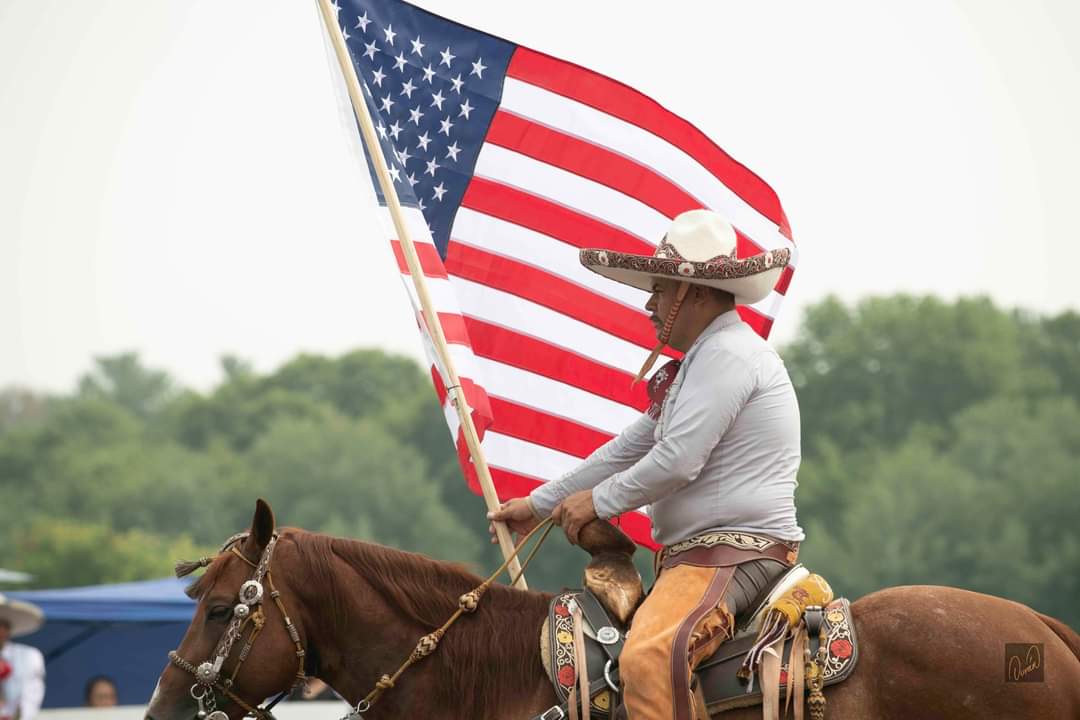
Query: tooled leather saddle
(603,610)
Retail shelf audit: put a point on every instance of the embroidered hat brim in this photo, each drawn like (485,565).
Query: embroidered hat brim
(750,279)
(23,617)
(702,248)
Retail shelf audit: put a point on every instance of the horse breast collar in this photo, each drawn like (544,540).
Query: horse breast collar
(247,610)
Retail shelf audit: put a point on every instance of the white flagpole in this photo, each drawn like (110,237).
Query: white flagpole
(367,132)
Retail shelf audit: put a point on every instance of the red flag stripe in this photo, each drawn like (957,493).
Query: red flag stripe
(537,427)
(637,526)
(583,158)
(551,291)
(430,262)
(551,219)
(600,165)
(528,353)
(512,350)
(761,324)
(532,387)
(537,356)
(629,105)
(785,280)
(475,395)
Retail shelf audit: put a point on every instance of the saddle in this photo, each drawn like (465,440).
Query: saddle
(597,617)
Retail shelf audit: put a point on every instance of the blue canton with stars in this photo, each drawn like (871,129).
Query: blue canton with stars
(432,87)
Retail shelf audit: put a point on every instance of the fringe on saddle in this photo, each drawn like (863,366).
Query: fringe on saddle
(783,618)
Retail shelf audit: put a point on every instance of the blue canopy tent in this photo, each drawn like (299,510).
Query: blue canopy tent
(123,631)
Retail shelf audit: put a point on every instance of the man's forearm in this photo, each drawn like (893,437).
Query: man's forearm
(543,499)
(619,453)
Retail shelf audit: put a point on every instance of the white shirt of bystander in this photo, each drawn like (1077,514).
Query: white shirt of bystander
(22,692)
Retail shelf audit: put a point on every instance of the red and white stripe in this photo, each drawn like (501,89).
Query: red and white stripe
(545,348)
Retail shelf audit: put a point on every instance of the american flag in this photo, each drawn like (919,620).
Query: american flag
(507,162)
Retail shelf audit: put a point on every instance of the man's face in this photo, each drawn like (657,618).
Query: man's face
(664,294)
(660,302)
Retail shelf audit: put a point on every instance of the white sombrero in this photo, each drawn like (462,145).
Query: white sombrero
(23,617)
(701,248)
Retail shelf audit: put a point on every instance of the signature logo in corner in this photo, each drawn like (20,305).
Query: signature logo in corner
(1024,662)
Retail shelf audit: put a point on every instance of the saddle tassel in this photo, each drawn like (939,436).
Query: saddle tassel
(770,683)
(582,663)
(797,672)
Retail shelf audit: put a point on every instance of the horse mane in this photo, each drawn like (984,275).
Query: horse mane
(502,634)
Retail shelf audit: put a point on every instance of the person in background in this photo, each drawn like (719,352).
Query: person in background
(22,668)
(100,692)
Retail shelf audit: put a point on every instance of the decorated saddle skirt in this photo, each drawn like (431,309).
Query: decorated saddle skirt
(559,654)
(717,676)
(724,690)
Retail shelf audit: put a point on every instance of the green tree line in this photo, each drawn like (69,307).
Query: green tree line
(940,445)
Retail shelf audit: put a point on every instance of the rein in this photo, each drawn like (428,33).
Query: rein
(247,611)
(467,603)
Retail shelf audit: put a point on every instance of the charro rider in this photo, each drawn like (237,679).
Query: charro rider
(715,458)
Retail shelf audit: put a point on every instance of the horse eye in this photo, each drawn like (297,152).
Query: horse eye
(220,612)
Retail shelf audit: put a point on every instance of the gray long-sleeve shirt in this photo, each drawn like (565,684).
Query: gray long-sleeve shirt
(724,453)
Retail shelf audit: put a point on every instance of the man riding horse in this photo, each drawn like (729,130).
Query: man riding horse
(714,458)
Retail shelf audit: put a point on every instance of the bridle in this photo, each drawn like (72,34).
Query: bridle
(248,611)
(208,674)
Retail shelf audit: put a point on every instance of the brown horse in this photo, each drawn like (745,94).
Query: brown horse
(358,610)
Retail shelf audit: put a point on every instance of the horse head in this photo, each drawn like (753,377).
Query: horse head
(242,645)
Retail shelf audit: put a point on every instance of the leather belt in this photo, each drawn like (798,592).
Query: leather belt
(724,548)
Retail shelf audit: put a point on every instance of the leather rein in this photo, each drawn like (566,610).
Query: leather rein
(247,612)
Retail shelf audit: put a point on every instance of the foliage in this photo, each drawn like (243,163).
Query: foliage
(941,444)
(63,552)
(342,445)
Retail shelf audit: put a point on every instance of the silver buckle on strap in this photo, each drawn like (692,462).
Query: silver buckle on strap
(552,713)
(607,635)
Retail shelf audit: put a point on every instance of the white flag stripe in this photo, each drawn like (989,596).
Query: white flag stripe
(548,396)
(429,348)
(416,225)
(516,455)
(443,301)
(551,396)
(584,196)
(526,458)
(597,127)
(510,311)
(503,309)
(452,420)
(770,306)
(538,250)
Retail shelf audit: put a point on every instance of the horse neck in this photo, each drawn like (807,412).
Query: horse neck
(486,666)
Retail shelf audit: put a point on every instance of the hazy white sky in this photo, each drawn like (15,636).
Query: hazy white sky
(175,178)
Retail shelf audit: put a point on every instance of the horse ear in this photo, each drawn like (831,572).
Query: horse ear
(262,524)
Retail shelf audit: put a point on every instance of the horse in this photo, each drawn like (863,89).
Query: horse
(348,612)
